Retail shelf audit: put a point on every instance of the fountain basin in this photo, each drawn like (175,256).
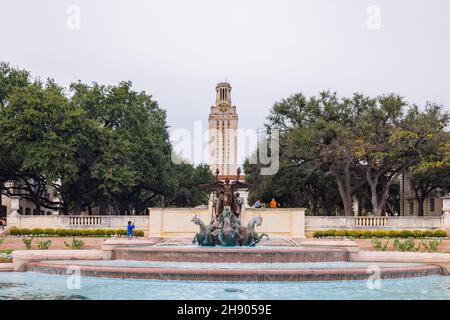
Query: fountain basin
(231,254)
(234,272)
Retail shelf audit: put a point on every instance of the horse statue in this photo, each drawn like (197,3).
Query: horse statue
(228,235)
(251,237)
(203,237)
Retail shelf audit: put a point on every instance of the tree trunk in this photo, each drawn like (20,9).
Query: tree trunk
(346,198)
(420,205)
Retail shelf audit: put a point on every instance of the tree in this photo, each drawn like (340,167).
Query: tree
(294,186)
(321,131)
(432,173)
(11,80)
(394,138)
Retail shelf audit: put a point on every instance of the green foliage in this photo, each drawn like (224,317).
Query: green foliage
(74,232)
(25,232)
(37,231)
(440,234)
(379,246)
(109,147)
(368,234)
(2,240)
(431,245)
(44,245)
(75,244)
(49,232)
(27,242)
(408,245)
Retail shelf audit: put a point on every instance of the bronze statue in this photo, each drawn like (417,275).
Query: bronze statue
(226,195)
(225,228)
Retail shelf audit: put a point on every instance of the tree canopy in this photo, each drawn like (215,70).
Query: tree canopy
(92,146)
(361,143)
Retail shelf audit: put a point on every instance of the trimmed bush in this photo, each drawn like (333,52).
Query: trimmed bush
(108,232)
(138,233)
(440,234)
(14,232)
(49,232)
(37,231)
(25,232)
(378,234)
(406,234)
(428,234)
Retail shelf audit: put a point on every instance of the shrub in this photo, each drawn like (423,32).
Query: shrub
(406,234)
(379,246)
(366,234)
(25,232)
(393,234)
(99,232)
(75,244)
(380,234)
(44,245)
(431,245)
(440,234)
(14,232)
(37,231)
(110,232)
(353,233)
(340,233)
(417,234)
(121,232)
(407,245)
(138,233)
(61,232)
(428,234)
(49,232)
(2,240)
(27,242)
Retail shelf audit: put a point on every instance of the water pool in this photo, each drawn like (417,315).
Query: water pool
(29,285)
(232,265)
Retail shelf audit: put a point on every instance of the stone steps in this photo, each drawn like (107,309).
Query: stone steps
(237,255)
(236,274)
(16,243)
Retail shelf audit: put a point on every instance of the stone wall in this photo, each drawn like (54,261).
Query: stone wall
(172,222)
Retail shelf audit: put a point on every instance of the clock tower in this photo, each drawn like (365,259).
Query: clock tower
(223,127)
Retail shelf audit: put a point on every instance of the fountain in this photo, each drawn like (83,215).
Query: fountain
(225,228)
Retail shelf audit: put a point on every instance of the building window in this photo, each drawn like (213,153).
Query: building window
(432,205)
(411,208)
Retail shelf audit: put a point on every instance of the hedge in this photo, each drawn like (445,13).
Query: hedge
(73,232)
(368,234)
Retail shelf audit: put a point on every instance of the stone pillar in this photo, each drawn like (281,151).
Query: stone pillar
(13,218)
(446,212)
(298,223)
(155,222)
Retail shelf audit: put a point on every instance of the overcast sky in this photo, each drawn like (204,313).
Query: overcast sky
(178,50)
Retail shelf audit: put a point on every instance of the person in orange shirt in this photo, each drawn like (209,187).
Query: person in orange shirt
(273,203)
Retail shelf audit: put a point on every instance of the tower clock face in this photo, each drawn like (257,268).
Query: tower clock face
(223,107)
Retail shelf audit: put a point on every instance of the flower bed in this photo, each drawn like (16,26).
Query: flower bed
(5,256)
(368,234)
(105,233)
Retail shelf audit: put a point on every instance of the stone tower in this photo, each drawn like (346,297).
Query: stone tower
(223,126)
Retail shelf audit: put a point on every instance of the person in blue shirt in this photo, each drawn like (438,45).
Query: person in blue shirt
(130,228)
(258,204)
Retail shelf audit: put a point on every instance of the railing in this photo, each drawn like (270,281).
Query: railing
(371,221)
(85,221)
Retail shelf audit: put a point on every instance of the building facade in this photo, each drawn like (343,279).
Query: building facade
(223,129)
(432,206)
